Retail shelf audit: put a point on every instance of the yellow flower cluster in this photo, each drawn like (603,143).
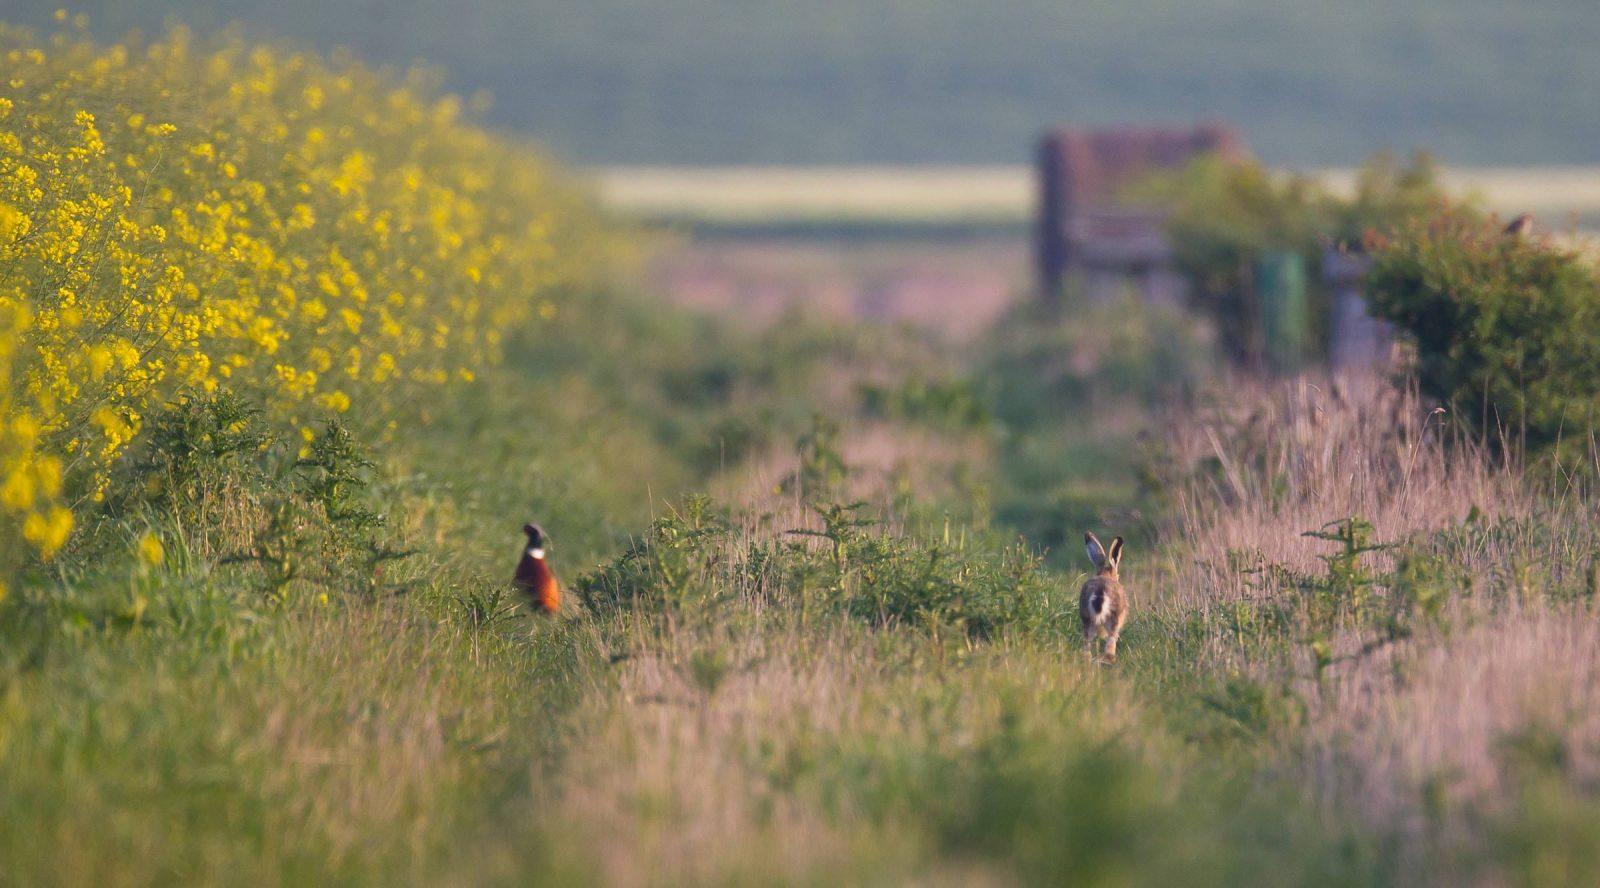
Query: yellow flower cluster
(176,217)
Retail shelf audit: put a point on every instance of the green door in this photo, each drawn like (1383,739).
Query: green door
(1285,309)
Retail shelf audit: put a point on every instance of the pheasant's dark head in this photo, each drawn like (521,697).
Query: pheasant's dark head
(536,539)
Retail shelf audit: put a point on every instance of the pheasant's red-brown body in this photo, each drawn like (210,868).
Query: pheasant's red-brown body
(534,576)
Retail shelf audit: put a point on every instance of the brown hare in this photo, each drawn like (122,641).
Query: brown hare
(1103,604)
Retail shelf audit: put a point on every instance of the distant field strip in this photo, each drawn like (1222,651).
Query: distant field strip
(1560,196)
(860,194)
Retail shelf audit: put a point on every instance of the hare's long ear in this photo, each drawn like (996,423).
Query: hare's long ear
(1097,552)
(1115,554)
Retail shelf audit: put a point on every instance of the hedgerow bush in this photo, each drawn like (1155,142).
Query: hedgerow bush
(189,216)
(1226,215)
(1506,328)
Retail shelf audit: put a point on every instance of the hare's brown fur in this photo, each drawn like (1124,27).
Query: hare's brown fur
(1103,603)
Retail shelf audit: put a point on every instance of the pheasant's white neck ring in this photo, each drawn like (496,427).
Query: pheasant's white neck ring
(536,553)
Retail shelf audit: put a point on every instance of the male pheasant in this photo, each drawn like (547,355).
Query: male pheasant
(534,576)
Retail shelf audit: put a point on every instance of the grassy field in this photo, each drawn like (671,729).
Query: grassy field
(821,578)
(701,82)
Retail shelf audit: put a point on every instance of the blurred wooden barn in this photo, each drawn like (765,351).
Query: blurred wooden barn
(1086,234)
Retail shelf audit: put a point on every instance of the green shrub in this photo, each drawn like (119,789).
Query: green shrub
(1506,328)
(947,404)
(697,559)
(670,567)
(219,474)
(1382,604)
(1225,216)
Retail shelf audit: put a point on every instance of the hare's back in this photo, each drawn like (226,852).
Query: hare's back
(1102,587)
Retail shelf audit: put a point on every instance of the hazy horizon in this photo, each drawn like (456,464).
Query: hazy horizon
(710,82)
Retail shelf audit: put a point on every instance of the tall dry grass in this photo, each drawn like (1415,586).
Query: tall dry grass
(1273,461)
(1433,742)
(803,761)
(1428,737)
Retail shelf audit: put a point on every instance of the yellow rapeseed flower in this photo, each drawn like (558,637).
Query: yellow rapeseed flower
(151,552)
(48,531)
(338,402)
(286,233)
(13,223)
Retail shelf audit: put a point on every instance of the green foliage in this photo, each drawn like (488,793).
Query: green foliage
(943,404)
(215,469)
(1044,369)
(1551,835)
(1388,195)
(220,683)
(196,442)
(893,579)
(1422,584)
(208,743)
(694,559)
(1506,328)
(668,568)
(1065,390)
(1223,213)
(822,465)
(334,474)
(1030,782)
(486,606)
(1252,709)
(1225,217)
(1384,606)
(1088,819)
(707,669)
(1347,589)
(712,395)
